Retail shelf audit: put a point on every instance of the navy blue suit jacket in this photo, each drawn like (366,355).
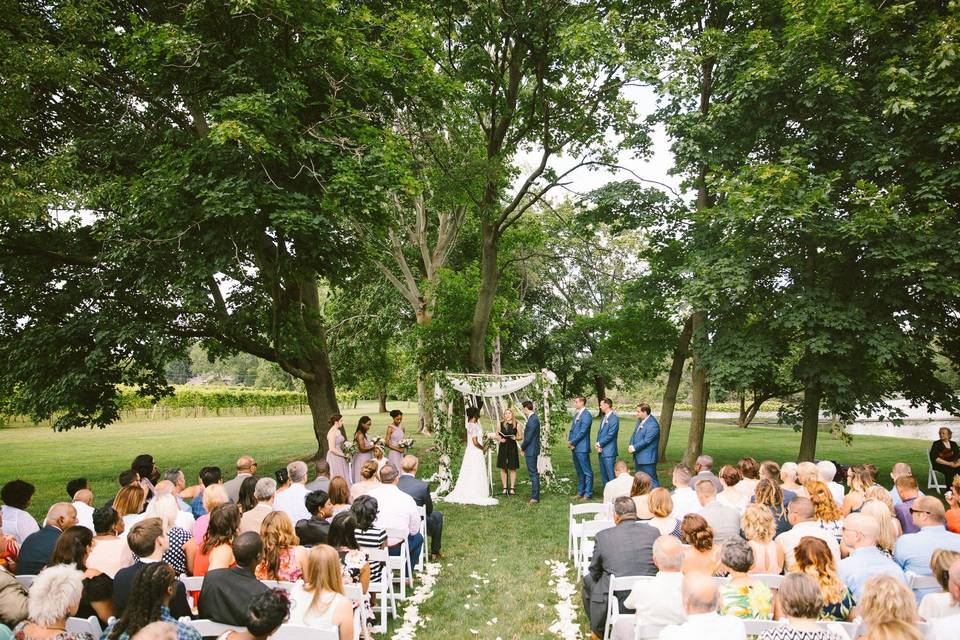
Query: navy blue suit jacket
(645,440)
(607,435)
(416,489)
(580,431)
(36,550)
(531,437)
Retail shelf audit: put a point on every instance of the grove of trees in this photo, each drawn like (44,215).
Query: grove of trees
(357,194)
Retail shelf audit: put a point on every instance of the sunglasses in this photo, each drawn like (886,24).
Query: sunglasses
(919,511)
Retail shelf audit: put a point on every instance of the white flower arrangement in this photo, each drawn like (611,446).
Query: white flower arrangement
(411,612)
(565,626)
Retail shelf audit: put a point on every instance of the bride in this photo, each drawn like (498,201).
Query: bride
(472,485)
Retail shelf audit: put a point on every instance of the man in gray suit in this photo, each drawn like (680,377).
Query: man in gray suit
(322,481)
(420,492)
(246,467)
(725,521)
(623,550)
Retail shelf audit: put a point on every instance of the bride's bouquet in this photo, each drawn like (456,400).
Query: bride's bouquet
(350,449)
(489,440)
(406,443)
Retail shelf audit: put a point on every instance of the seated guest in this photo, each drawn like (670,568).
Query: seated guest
(770,470)
(366,480)
(814,559)
(900,630)
(127,477)
(759,529)
(227,593)
(180,490)
(314,530)
(914,550)
(788,479)
(212,497)
(725,521)
(946,628)
(623,550)
(320,601)
(908,491)
(899,469)
(322,481)
(806,472)
(215,551)
(209,476)
(246,499)
(147,469)
(246,467)
(17,496)
(356,569)
(54,597)
(282,557)
(184,518)
(640,493)
(266,613)
(339,495)
(153,596)
(743,596)
(397,511)
(703,468)
(659,601)
(865,559)
(291,501)
(367,535)
(828,476)
(420,492)
(888,523)
(264,492)
(73,548)
(158,630)
(13,599)
(945,455)
(129,504)
(701,556)
(148,543)
(801,516)
(825,509)
(684,497)
(700,601)
(886,599)
(36,549)
(731,496)
(770,495)
(749,470)
(799,601)
(620,485)
(164,506)
(82,500)
(859,479)
(661,506)
(942,605)
(953,501)
(9,550)
(110,550)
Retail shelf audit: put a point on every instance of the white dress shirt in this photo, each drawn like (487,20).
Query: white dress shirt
(684,501)
(292,502)
(395,510)
(706,625)
(658,600)
(836,490)
(84,514)
(788,540)
(18,523)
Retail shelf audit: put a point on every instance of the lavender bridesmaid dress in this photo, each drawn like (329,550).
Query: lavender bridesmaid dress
(394,457)
(338,465)
(358,461)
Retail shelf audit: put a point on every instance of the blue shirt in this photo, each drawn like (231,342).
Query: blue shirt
(197,506)
(913,550)
(862,564)
(895,495)
(184,631)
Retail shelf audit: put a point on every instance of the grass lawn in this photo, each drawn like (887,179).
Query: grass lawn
(494,556)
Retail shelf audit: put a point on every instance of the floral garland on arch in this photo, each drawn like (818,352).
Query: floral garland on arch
(538,387)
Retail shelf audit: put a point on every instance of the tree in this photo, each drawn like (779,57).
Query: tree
(220,154)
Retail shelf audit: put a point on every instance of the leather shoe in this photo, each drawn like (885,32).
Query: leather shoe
(436,557)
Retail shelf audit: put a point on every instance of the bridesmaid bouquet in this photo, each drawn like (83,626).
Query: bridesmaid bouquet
(406,443)
(350,449)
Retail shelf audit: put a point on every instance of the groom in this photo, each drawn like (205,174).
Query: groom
(531,449)
(607,441)
(578,441)
(644,443)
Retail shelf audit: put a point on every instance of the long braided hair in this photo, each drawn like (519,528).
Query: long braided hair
(149,592)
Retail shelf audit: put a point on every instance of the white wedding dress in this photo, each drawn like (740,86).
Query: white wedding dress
(472,486)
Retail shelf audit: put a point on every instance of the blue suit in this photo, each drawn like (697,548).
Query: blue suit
(580,439)
(607,439)
(645,441)
(531,450)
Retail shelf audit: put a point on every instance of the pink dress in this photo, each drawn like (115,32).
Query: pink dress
(394,457)
(359,459)
(339,465)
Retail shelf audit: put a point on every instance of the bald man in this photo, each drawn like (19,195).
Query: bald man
(800,514)
(700,600)
(658,601)
(900,469)
(860,533)
(246,467)
(913,550)
(36,549)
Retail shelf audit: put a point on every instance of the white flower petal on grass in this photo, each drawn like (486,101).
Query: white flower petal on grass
(565,626)
(411,613)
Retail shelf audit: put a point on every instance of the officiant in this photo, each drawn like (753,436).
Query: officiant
(508,460)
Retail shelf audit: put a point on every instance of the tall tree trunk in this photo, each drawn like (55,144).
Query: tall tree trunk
(322,399)
(424,403)
(743,411)
(489,276)
(699,396)
(382,397)
(673,384)
(600,388)
(811,422)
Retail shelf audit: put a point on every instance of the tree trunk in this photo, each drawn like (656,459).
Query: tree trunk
(811,422)
(673,384)
(600,388)
(424,403)
(748,413)
(383,402)
(489,276)
(699,397)
(323,403)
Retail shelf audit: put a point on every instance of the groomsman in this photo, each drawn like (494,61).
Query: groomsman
(607,440)
(578,441)
(644,443)
(530,448)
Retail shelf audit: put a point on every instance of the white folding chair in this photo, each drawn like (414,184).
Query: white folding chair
(279,584)
(849,630)
(922,582)
(586,533)
(191,583)
(401,562)
(756,627)
(617,583)
(355,593)
(84,625)
(426,542)
(772,580)
(577,510)
(386,603)
(209,628)
(933,481)
(26,581)
(298,632)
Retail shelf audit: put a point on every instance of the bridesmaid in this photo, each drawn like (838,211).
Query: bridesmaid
(336,436)
(364,446)
(394,435)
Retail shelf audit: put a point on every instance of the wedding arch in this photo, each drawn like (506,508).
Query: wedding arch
(493,393)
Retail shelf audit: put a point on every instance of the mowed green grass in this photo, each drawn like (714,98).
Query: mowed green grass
(503,547)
